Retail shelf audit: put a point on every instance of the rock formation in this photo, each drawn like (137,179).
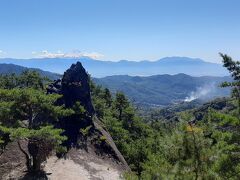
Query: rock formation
(75,88)
(97,147)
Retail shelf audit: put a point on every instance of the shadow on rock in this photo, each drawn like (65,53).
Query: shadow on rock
(41,175)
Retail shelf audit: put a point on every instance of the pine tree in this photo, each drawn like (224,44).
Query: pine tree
(121,103)
(41,142)
(234,68)
(108,97)
(26,113)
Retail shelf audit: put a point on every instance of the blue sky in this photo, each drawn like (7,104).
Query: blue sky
(120,29)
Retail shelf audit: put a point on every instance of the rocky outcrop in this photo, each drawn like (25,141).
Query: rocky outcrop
(95,153)
(75,87)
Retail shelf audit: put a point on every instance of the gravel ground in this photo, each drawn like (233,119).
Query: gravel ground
(79,166)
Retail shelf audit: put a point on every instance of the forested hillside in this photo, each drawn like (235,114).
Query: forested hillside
(16,69)
(165,89)
(186,145)
(199,143)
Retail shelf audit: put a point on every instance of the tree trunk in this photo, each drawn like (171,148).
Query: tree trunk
(28,159)
(33,148)
(36,164)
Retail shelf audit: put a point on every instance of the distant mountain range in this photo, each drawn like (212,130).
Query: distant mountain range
(97,68)
(12,68)
(161,90)
(157,90)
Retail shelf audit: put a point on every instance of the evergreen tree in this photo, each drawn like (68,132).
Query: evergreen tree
(8,81)
(41,142)
(121,103)
(28,78)
(26,113)
(234,68)
(28,105)
(32,79)
(108,97)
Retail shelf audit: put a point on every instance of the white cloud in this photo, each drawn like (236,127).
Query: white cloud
(73,54)
(2,52)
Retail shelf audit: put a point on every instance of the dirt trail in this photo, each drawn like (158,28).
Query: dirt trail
(80,167)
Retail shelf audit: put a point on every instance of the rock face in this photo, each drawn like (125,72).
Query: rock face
(75,87)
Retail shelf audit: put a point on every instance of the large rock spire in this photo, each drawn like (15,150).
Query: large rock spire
(75,87)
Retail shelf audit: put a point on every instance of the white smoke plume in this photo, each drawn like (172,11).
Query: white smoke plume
(201,92)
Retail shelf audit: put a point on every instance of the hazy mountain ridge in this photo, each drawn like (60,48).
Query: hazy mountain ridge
(165,89)
(97,68)
(12,68)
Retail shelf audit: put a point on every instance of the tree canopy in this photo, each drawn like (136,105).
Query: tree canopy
(27,112)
